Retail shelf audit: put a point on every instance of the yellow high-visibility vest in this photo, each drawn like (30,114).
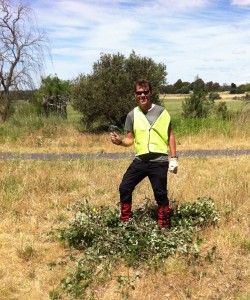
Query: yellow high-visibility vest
(151,138)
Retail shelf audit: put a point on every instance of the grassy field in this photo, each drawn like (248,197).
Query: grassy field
(35,197)
(173,103)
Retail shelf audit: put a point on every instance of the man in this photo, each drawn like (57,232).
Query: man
(148,127)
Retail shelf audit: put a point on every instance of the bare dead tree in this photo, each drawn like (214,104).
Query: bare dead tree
(22,47)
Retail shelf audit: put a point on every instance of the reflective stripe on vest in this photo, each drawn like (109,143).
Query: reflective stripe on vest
(151,138)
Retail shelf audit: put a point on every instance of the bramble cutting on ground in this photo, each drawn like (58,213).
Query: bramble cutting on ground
(103,241)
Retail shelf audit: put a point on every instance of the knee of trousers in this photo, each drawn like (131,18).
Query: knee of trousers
(125,195)
(162,199)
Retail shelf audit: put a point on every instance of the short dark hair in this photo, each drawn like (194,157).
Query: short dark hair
(143,82)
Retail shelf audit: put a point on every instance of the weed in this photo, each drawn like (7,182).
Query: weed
(211,254)
(243,296)
(51,265)
(32,274)
(9,184)
(61,218)
(245,244)
(188,293)
(54,295)
(26,252)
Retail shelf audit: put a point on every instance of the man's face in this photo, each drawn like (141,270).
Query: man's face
(143,97)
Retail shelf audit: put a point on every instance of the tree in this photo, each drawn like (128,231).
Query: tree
(209,86)
(183,90)
(197,105)
(53,86)
(21,51)
(178,85)
(216,87)
(106,96)
(53,95)
(247,87)
(212,86)
(225,87)
(241,89)
(167,89)
(233,88)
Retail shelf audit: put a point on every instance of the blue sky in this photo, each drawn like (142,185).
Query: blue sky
(208,38)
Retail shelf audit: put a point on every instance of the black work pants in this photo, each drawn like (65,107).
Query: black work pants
(137,171)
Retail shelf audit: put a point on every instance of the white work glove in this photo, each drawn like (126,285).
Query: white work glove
(173,165)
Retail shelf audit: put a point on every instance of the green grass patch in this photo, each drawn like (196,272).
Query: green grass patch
(234,105)
(174,105)
(214,126)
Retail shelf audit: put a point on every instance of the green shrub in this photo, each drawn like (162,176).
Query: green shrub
(214,96)
(221,111)
(197,105)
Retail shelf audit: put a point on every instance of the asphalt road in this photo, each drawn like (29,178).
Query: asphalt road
(75,156)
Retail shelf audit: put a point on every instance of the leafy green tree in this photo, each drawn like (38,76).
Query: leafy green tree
(53,86)
(247,87)
(183,90)
(167,89)
(224,88)
(197,105)
(106,95)
(209,86)
(233,88)
(178,85)
(241,89)
(216,87)
(212,86)
(52,96)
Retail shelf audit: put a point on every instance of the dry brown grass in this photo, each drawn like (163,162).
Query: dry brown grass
(223,95)
(34,199)
(228,96)
(64,139)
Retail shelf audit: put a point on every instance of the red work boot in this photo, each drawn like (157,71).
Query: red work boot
(125,211)
(164,217)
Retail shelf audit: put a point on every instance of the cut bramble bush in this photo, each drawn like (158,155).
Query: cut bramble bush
(103,240)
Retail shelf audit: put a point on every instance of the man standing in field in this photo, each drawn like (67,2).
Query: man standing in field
(148,127)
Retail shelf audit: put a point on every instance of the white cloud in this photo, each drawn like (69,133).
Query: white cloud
(239,51)
(241,2)
(189,36)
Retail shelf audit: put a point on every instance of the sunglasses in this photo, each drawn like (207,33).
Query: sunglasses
(139,93)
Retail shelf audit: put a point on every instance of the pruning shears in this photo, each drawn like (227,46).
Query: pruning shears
(113,128)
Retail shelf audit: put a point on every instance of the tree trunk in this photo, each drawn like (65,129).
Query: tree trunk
(5,105)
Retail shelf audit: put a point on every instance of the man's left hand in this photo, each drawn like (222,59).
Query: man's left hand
(173,165)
